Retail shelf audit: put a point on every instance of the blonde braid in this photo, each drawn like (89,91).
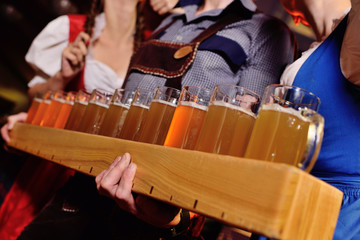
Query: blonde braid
(97,6)
(140,27)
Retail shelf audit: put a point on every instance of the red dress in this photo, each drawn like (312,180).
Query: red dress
(38,179)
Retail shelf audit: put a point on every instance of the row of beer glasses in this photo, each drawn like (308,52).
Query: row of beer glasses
(52,110)
(225,121)
(286,129)
(105,113)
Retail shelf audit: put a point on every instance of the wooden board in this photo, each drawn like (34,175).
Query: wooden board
(275,200)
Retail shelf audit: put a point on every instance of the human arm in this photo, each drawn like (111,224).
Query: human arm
(155,11)
(162,6)
(168,221)
(116,182)
(20,117)
(350,50)
(72,61)
(44,53)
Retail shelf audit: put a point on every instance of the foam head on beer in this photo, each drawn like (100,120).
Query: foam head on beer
(287,129)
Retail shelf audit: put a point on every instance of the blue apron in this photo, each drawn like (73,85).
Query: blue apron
(339,160)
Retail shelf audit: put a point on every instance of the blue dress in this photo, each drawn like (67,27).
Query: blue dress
(339,160)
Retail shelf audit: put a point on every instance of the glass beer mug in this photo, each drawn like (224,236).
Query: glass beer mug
(160,114)
(78,110)
(188,118)
(53,109)
(229,120)
(137,114)
(65,110)
(33,109)
(116,114)
(287,129)
(42,108)
(95,111)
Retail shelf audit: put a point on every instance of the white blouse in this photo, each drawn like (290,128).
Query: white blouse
(289,74)
(45,52)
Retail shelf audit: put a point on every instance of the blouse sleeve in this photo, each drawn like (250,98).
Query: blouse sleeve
(350,51)
(44,54)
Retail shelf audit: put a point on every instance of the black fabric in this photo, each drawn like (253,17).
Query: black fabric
(178,230)
(96,217)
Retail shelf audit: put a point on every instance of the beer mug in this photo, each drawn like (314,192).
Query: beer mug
(116,114)
(287,129)
(229,120)
(160,114)
(35,103)
(188,117)
(137,114)
(53,110)
(43,106)
(95,111)
(65,110)
(77,111)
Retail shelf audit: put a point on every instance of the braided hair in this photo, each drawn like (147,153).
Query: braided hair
(140,26)
(97,7)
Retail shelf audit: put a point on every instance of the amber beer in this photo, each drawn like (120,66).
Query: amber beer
(40,113)
(63,115)
(95,111)
(77,111)
(158,122)
(76,114)
(33,109)
(226,129)
(134,119)
(186,125)
(65,110)
(161,111)
(114,119)
(229,120)
(279,135)
(93,116)
(287,129)
(52,112)
(115,116)
(137,114)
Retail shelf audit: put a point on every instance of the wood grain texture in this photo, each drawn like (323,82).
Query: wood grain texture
(275,200)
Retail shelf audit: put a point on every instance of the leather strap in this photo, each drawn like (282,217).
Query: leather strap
(163,54)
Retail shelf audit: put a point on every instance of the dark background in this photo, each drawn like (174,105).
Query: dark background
(22,20)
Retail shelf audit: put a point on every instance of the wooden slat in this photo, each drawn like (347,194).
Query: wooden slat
(275,200)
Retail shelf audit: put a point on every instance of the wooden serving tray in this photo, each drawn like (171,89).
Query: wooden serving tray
(275,200)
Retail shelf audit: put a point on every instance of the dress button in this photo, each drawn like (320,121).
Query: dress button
(179,38)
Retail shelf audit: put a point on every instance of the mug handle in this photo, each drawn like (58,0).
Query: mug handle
(314,139)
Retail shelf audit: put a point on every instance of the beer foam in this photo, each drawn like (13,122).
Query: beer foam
(48,101)
(164,102)
(69,102)
(59,100)
(99,104)
(119,104)
(38,100)
(141,105)
(82,102)
(231,106)
(288,110)
(194,105)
